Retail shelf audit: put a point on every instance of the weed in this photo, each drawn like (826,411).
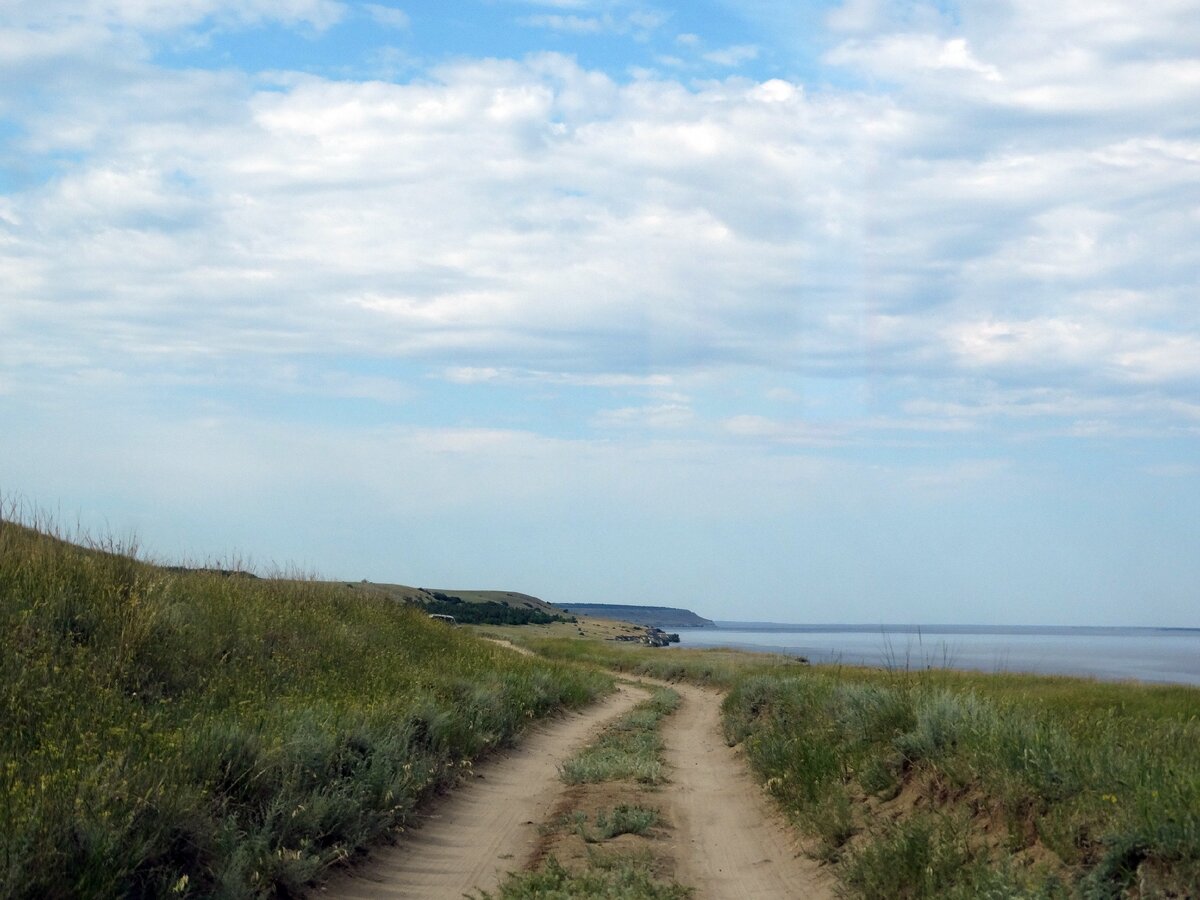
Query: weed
(623,878)
(624,819)
(629,749)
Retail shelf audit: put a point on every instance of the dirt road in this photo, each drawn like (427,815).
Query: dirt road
(488,826)
(724,840)
(730,843)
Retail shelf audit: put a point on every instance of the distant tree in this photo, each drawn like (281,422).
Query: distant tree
(487,613)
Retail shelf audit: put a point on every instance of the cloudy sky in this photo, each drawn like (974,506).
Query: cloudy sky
(858,311)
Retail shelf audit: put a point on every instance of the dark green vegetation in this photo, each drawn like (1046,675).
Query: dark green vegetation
(193,734)
(950,784)
(487,612)
(661,616)
(469,607)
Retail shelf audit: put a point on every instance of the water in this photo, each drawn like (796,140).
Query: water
(1111,654)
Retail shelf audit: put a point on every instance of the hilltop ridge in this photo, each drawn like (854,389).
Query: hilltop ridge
(659,616)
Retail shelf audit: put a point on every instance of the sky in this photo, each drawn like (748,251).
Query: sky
(861,311)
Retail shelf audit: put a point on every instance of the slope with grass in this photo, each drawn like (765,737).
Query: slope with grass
(192,734)
(467,607)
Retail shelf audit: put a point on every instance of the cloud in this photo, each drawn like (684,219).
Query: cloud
(638,23)
(165,15)
(734,56)
(656,417)
(536,222)
(570,24)
(388,16)
(478,375)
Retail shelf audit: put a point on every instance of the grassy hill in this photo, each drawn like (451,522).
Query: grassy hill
(659,616)
(467,607)
(181,733)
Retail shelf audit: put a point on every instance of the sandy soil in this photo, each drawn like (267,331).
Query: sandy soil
(486,827)
(719,833)
(730,843)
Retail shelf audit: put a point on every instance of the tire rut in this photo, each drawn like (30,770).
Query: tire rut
(730,841)
(488,826)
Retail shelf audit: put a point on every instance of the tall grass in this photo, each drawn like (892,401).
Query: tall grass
(1115,798)
(169,733)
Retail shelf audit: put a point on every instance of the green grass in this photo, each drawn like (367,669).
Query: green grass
(189,734)
(1105,776)
(623,877)
(628,750)
(622,819)
(1115,794)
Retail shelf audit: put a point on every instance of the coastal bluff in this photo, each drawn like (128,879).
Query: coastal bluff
(654,616)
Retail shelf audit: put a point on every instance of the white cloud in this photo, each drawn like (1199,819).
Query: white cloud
(536,222)
(636,23)
(165,15)
(477,375)
(388,16)
(856,15)
(569,24)
(911,55)
(658,416)
(733,56)
(808,434)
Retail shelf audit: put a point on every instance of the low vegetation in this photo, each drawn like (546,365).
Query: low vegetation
(624,818)
(201,734)
(1032,791)
(608,877)
(952,784)
(628,750)
(625,759)
(487,612)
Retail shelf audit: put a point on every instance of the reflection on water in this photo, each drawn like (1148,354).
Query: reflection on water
(1143,654)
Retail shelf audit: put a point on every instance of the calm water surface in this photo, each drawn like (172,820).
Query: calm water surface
(1114,654)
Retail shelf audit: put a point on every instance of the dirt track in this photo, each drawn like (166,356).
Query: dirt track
(725,841)
(730,843)
(488,826)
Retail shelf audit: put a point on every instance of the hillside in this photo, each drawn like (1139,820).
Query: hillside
(658,616)
(183,733)
(467,607)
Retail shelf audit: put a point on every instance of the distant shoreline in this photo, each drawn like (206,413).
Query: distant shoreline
(1107,653)
(801,628)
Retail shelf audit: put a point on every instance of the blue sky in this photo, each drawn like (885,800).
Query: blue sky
(856,311)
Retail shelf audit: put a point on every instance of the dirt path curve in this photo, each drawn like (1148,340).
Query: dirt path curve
(487,826)
(730,842)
